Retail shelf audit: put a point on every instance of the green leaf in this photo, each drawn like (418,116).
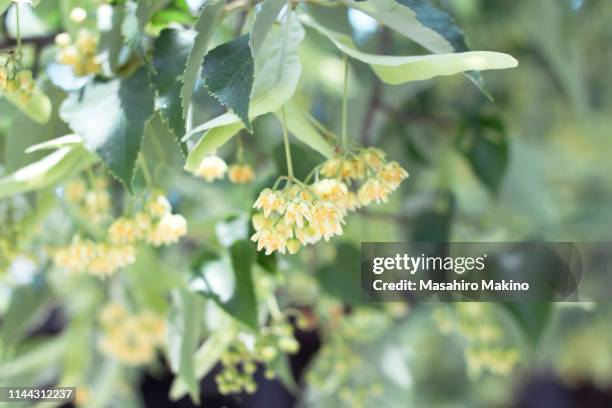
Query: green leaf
(236,293)
(299,125)
(211,141)
(183,338)
(228,74)
(399,69)
(38,107)
(48,171)
(243,304)
(208,354)
(146,9)
(532,318)
(277,71)
(111,118)
(264,20)
(341,277)
(485,145)
(204,27)
(26,300)
(171,50)
(304,160)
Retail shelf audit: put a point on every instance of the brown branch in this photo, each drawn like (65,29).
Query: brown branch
(38,42)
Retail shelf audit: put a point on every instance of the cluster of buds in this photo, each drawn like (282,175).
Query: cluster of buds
(240,360)
(496,360)
(17,82)
(301,214)
(131,338)
(214,168)
(485,349)
(97,258)
(80,52)
(154,225)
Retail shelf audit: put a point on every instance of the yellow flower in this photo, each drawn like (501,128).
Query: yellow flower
(143,220)
(270,239)
(307,235)
(349,202)
(75,190)
(78,14)
(330,189)
(374,190)
(111,313)
(331,167)
(326,219)
(240,173)
(259,221)
(154,325)
(293,246)
(97,204)
(393,174)
(124,231)
(63,40)
(128,345)
(211,168)
(296,213)
(158,206)
(373,157)
(169,229)
(86,42)
(68,56)
(269,201)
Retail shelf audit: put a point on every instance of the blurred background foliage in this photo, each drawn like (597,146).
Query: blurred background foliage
(534,164)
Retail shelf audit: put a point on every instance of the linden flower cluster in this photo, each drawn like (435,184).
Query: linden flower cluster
(17,82)
(214,168)
(155,225)
(98,258)
(80,52)
(241,358)
(131,338)
(301,214)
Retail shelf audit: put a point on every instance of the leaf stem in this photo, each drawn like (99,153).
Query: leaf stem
(345,102)
(287,147)
(18,30)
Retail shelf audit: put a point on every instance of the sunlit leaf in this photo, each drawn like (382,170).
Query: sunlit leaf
(398,69)
(111,118)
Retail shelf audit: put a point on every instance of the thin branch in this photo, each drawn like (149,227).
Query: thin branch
(38,42)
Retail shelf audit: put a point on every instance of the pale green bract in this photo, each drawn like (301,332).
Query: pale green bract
(37,108)
(397,70)
(403,20)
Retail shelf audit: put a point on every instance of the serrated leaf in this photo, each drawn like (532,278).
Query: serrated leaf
(264,20)
(171,51)
(111,36)
(227,72)
(46,172)
(300,127)
(183,337)
(209,142)
(397,70)
(277,71)
(204,27)
(111,118)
